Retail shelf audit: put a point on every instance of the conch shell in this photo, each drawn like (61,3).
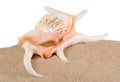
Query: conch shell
(53,33)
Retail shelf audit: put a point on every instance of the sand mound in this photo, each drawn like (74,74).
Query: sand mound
(88,62)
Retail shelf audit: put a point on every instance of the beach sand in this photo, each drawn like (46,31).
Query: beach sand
(88,62)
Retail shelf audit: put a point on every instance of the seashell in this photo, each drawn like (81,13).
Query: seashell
(53,33)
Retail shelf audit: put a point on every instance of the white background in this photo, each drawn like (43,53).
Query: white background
(20,16)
